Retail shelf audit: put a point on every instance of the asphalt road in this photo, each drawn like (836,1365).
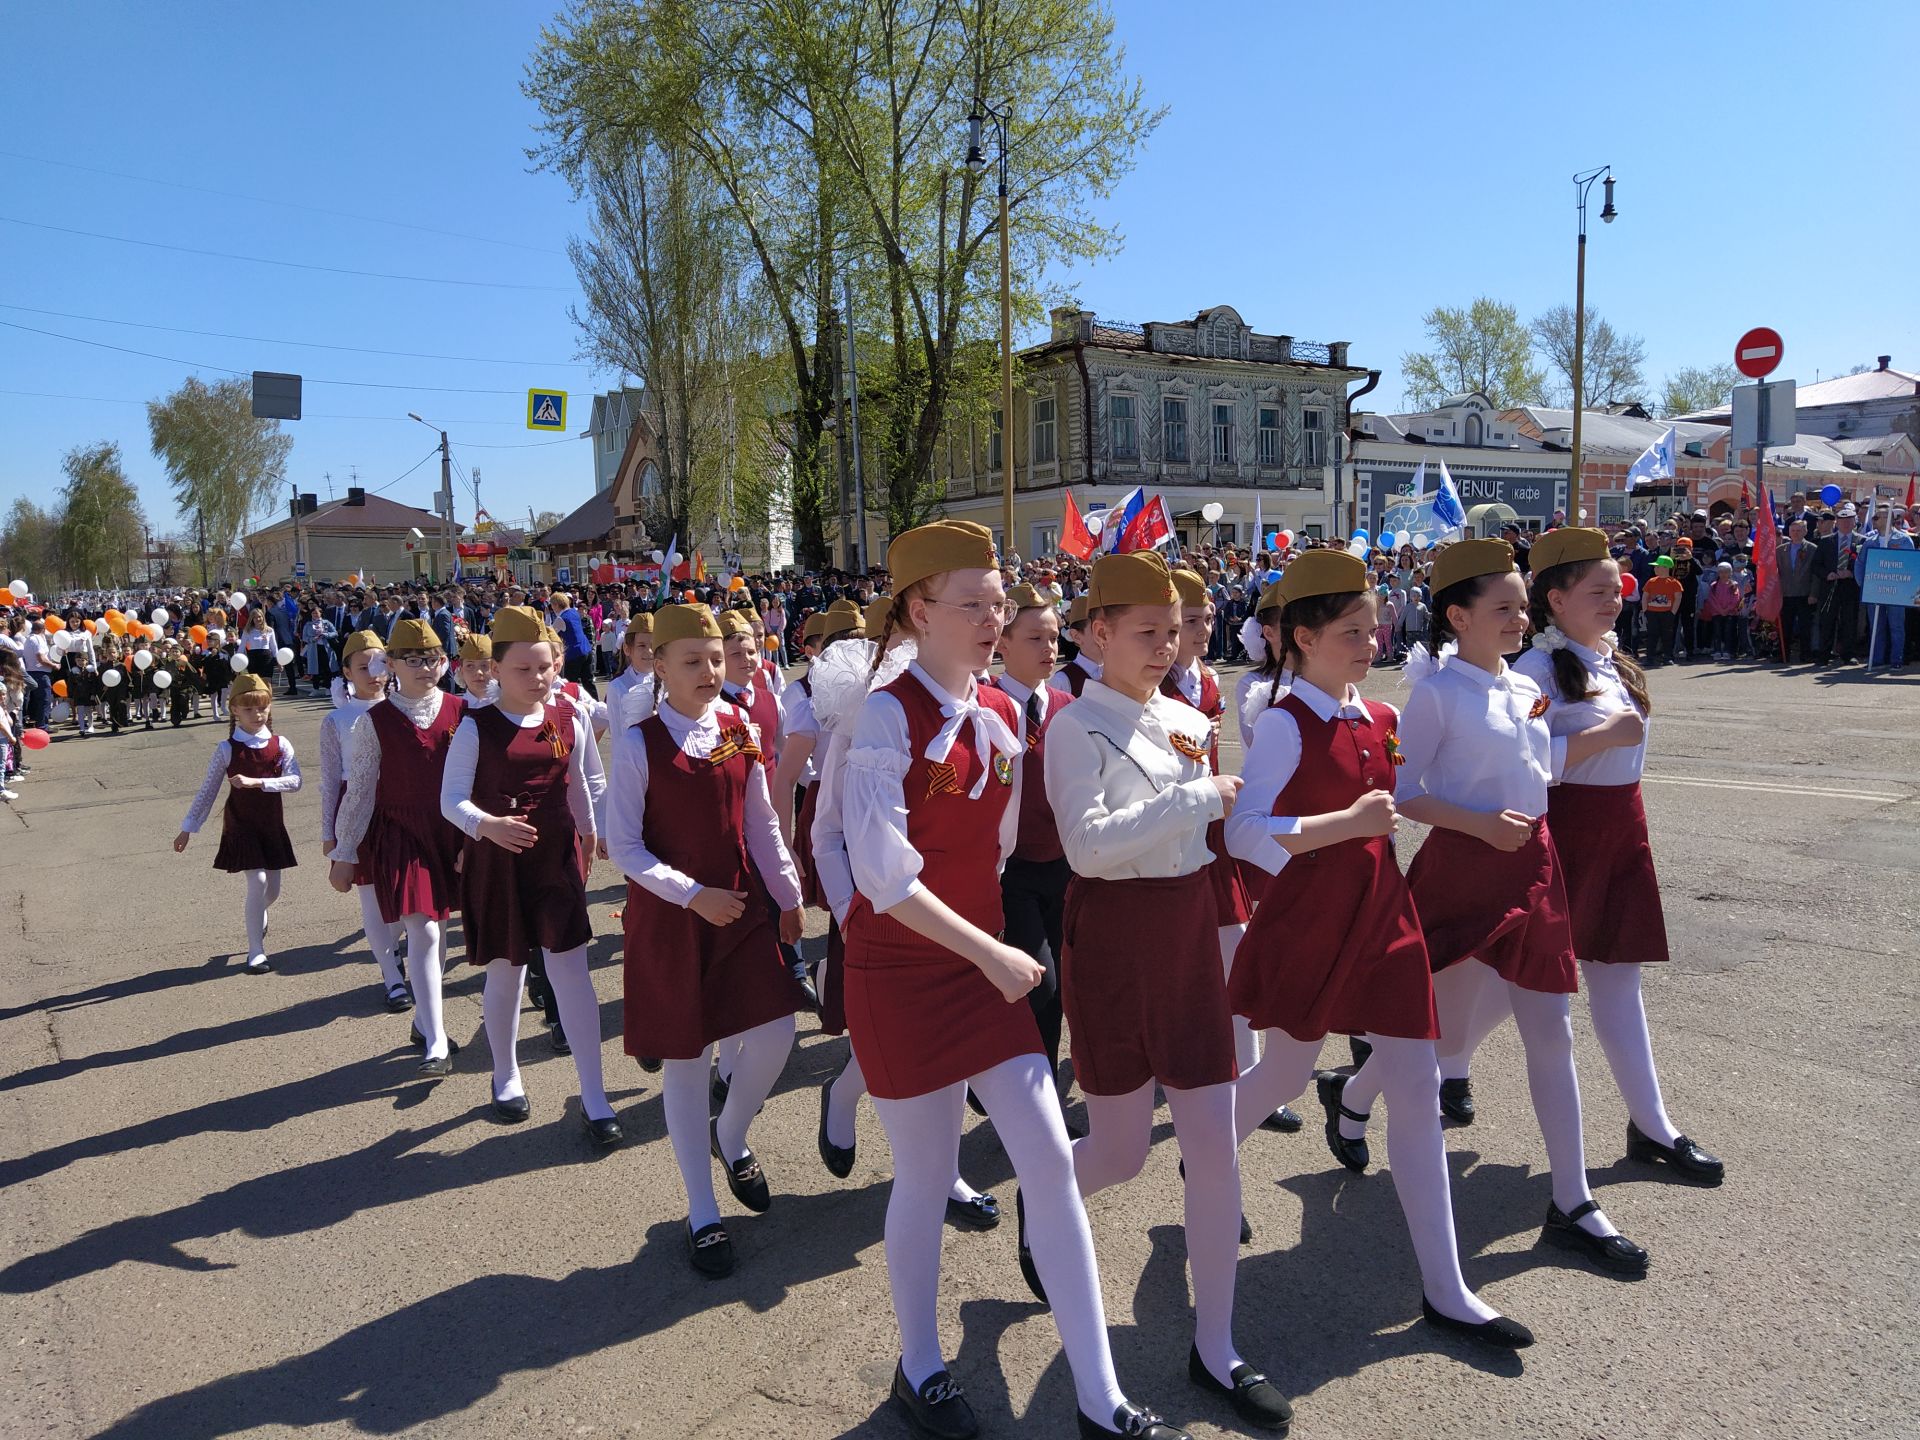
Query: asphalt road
(231,1209)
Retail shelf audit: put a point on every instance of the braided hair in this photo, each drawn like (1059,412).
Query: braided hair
(1570,676)
(898,619)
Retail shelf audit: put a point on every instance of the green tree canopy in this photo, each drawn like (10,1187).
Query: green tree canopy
(1694,387)
(101,529)
(224,465)
(1483,347)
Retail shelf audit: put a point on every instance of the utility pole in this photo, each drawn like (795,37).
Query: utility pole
(296,528)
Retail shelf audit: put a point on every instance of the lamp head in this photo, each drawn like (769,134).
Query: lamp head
(976,126)
(1607,212)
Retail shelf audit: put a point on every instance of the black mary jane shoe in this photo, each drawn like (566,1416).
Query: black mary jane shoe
(1456,1100)
(837,1158)
(1683,1157)
(809,992)
(606,1134)
(258,965)
(1130,1419)
(711,1250)
(1359,1049)
(650,1064)
(1499,1333)
(1028,1270)
(1353,1154)
(557,1037)
(744,1177)
(1255,1399)
(432,1068)
(980,1213)
(1614,1253)
(1286,1120)
(399,998)
(512,1111)
(938,1409)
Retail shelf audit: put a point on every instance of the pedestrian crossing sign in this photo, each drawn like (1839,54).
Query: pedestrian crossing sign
(547,410)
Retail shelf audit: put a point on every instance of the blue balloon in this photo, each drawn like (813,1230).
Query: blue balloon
(1830,494)
(1359,535)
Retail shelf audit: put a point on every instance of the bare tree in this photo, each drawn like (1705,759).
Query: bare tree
(1614,372)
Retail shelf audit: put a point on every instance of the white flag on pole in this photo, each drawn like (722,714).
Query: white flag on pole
(1655,462)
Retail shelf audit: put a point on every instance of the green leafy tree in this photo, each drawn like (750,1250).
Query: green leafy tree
(29,542)
(1483,347)
(225,466)
(1693,387)
(101,525)
(1614,372)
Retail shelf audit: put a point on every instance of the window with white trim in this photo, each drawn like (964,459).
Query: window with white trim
(1270,435)
(1223,434)
(1126,429)
(1313,436)
(1043,430)
(1173,430)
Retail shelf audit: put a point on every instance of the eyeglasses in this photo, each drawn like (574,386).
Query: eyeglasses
(424,661)
(983,612)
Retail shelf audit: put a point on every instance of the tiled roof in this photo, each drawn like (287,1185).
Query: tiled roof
(377,513)
(592,521)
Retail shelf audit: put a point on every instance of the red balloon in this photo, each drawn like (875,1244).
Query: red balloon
(1629,587)
(34,739)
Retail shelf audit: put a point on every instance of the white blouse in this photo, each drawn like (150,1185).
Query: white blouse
(596,712)
(363,767)
(629,701)
(798,720)
(1618,765)
(627,814)
(1019,694)
(285,783)
(830,864)
(586,780)
(1128,804)
(1254,696)
(873,803)
(333,765)
(1471,738)
(1272,760)
(1089,667)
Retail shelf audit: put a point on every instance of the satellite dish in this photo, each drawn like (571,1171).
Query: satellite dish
(1212,511)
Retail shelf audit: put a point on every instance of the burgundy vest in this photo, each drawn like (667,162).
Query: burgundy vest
(710,790)
(420,755)
(522,770)
(764,711)
(1340,760)
(1039,840)
(1211,706)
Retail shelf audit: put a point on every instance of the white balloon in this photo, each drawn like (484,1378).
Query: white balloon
(110,678)
(1400,539)
(62,642)
(1422,540)
(160,616)
(162,681)
(142,659)
(1358,546)
(284,656)
(20,589)
(239,663)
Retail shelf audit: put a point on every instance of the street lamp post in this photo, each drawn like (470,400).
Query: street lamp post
(977,162)
(1582,183)
(446,496)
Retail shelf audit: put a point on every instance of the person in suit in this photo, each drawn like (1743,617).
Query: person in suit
(1795,559)
(1837,592)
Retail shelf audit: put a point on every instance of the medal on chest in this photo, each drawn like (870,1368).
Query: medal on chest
(735,739)
(1192,749)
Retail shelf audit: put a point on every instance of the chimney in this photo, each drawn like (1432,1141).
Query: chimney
(1071,323)
(356,495)
(309,502)
(1337,352)
(1885,361)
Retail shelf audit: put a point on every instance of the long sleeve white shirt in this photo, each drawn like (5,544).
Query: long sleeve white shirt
(1471,738)
(1089,667)
(627,814)
(629,701)
(1619,765)
(363,767)
(1128,804)
(334,729)
(1020,692)
(586,780)
(873,805)
(1273,759)
(1254,696)
(286,782)
(799,723)
(830,864)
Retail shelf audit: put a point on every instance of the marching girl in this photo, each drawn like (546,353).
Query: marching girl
(363,667)
(795,778)
(769,673)
(474,671)
(935,1003)
(1487,883)
(630,693)
(1073,676)
(690,823)
(1599,703)
(522,782)
(81,671)
(392,839)
(1335,943)
(1267,682)
(259,767)
(1133,791)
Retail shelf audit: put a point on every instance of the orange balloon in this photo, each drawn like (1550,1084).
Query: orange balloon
(111,613)
(199,634)
(116,623)
(55,624)
(60,688)
(6,597)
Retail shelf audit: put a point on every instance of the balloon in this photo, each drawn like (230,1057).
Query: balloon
(6,598)
(93,626)
(110,678)
(1422,540)
(1286,539)
(1358,546)
(154,632)
(62,642)
(1401,539)
(20,590)
(284,655)
(239,663)
(60,688)
(1829,495)
(162,681)
(142,659)
(34,739)
(739,582)
(55,624)
(198,634)
(117,624)
(1629,587)
(159,616)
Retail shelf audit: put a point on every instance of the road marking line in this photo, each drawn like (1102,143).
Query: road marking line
(1716,784)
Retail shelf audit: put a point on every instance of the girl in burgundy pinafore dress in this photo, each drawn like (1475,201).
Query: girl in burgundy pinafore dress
(361,683)
(258,767)
(1336,944)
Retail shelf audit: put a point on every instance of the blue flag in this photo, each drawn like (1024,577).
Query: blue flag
(1448,513)
(1655,462)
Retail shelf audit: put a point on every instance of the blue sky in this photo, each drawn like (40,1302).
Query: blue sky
(1332,171)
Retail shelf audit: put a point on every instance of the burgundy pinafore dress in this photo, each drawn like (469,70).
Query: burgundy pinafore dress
(253,829)
(921,1017)
(689,983)
(411,854)
(1232,902)
(1336,944)
(537,898)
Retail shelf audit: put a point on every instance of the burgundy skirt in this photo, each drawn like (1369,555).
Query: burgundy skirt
(1336,946)
(921,1018)
(1507,908)
(1231,903)
(1143,986)
(1253,880)
(833,983)
(514,904)
(412,860)
(810,892)
(689,983)
(1613,896)
(253,834)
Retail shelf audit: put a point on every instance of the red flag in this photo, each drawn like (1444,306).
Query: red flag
(1150,529)
(1766,573)
(1075,539)
(1910,480)
(1746,500)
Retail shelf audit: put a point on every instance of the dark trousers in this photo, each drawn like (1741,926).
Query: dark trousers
(1659,637)
(1842,620)
(1794,614)
(579,669)
(39,698)
(1033,896)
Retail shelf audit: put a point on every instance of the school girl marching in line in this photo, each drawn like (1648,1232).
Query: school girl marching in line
(1335,944)
(259,767)
(936,1005)
(691,825)
(522,783)
(390,829)
(1073,676)
(1487,882)
(630,693)
(1135,797)
(1600,825)
(363,666)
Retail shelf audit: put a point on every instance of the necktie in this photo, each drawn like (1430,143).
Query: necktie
(1033,715)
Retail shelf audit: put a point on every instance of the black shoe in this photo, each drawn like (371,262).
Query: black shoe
(744,1177)
(606,1134)
(980,1213)
(837,1158)
(1353,1154)
(431,1068)
(399,998)
(1500,1333)
(512,1111)
(1610,1252)
(650,1064)
(258,965)
(721,1085)
(1456,1100)
(938,1409)
(557,1037)
(1255,1399)
(1683,1156)
(711,1251)
(1130,1419)
(808,990)
(1028,1272)
(1286,1120)
(1359,1049)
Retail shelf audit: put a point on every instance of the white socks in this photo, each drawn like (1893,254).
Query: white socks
(1246,1042)
(379,936)
(263,888)
(1620,1025)
(425,965)
(579,1011)
(500,1008)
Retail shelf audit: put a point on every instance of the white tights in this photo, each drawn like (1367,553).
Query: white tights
(843,1098)
(579,1010)
(924,1133)
(263,888)
(379,935)
(425,965)
(1246,1040)
(760,1055)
